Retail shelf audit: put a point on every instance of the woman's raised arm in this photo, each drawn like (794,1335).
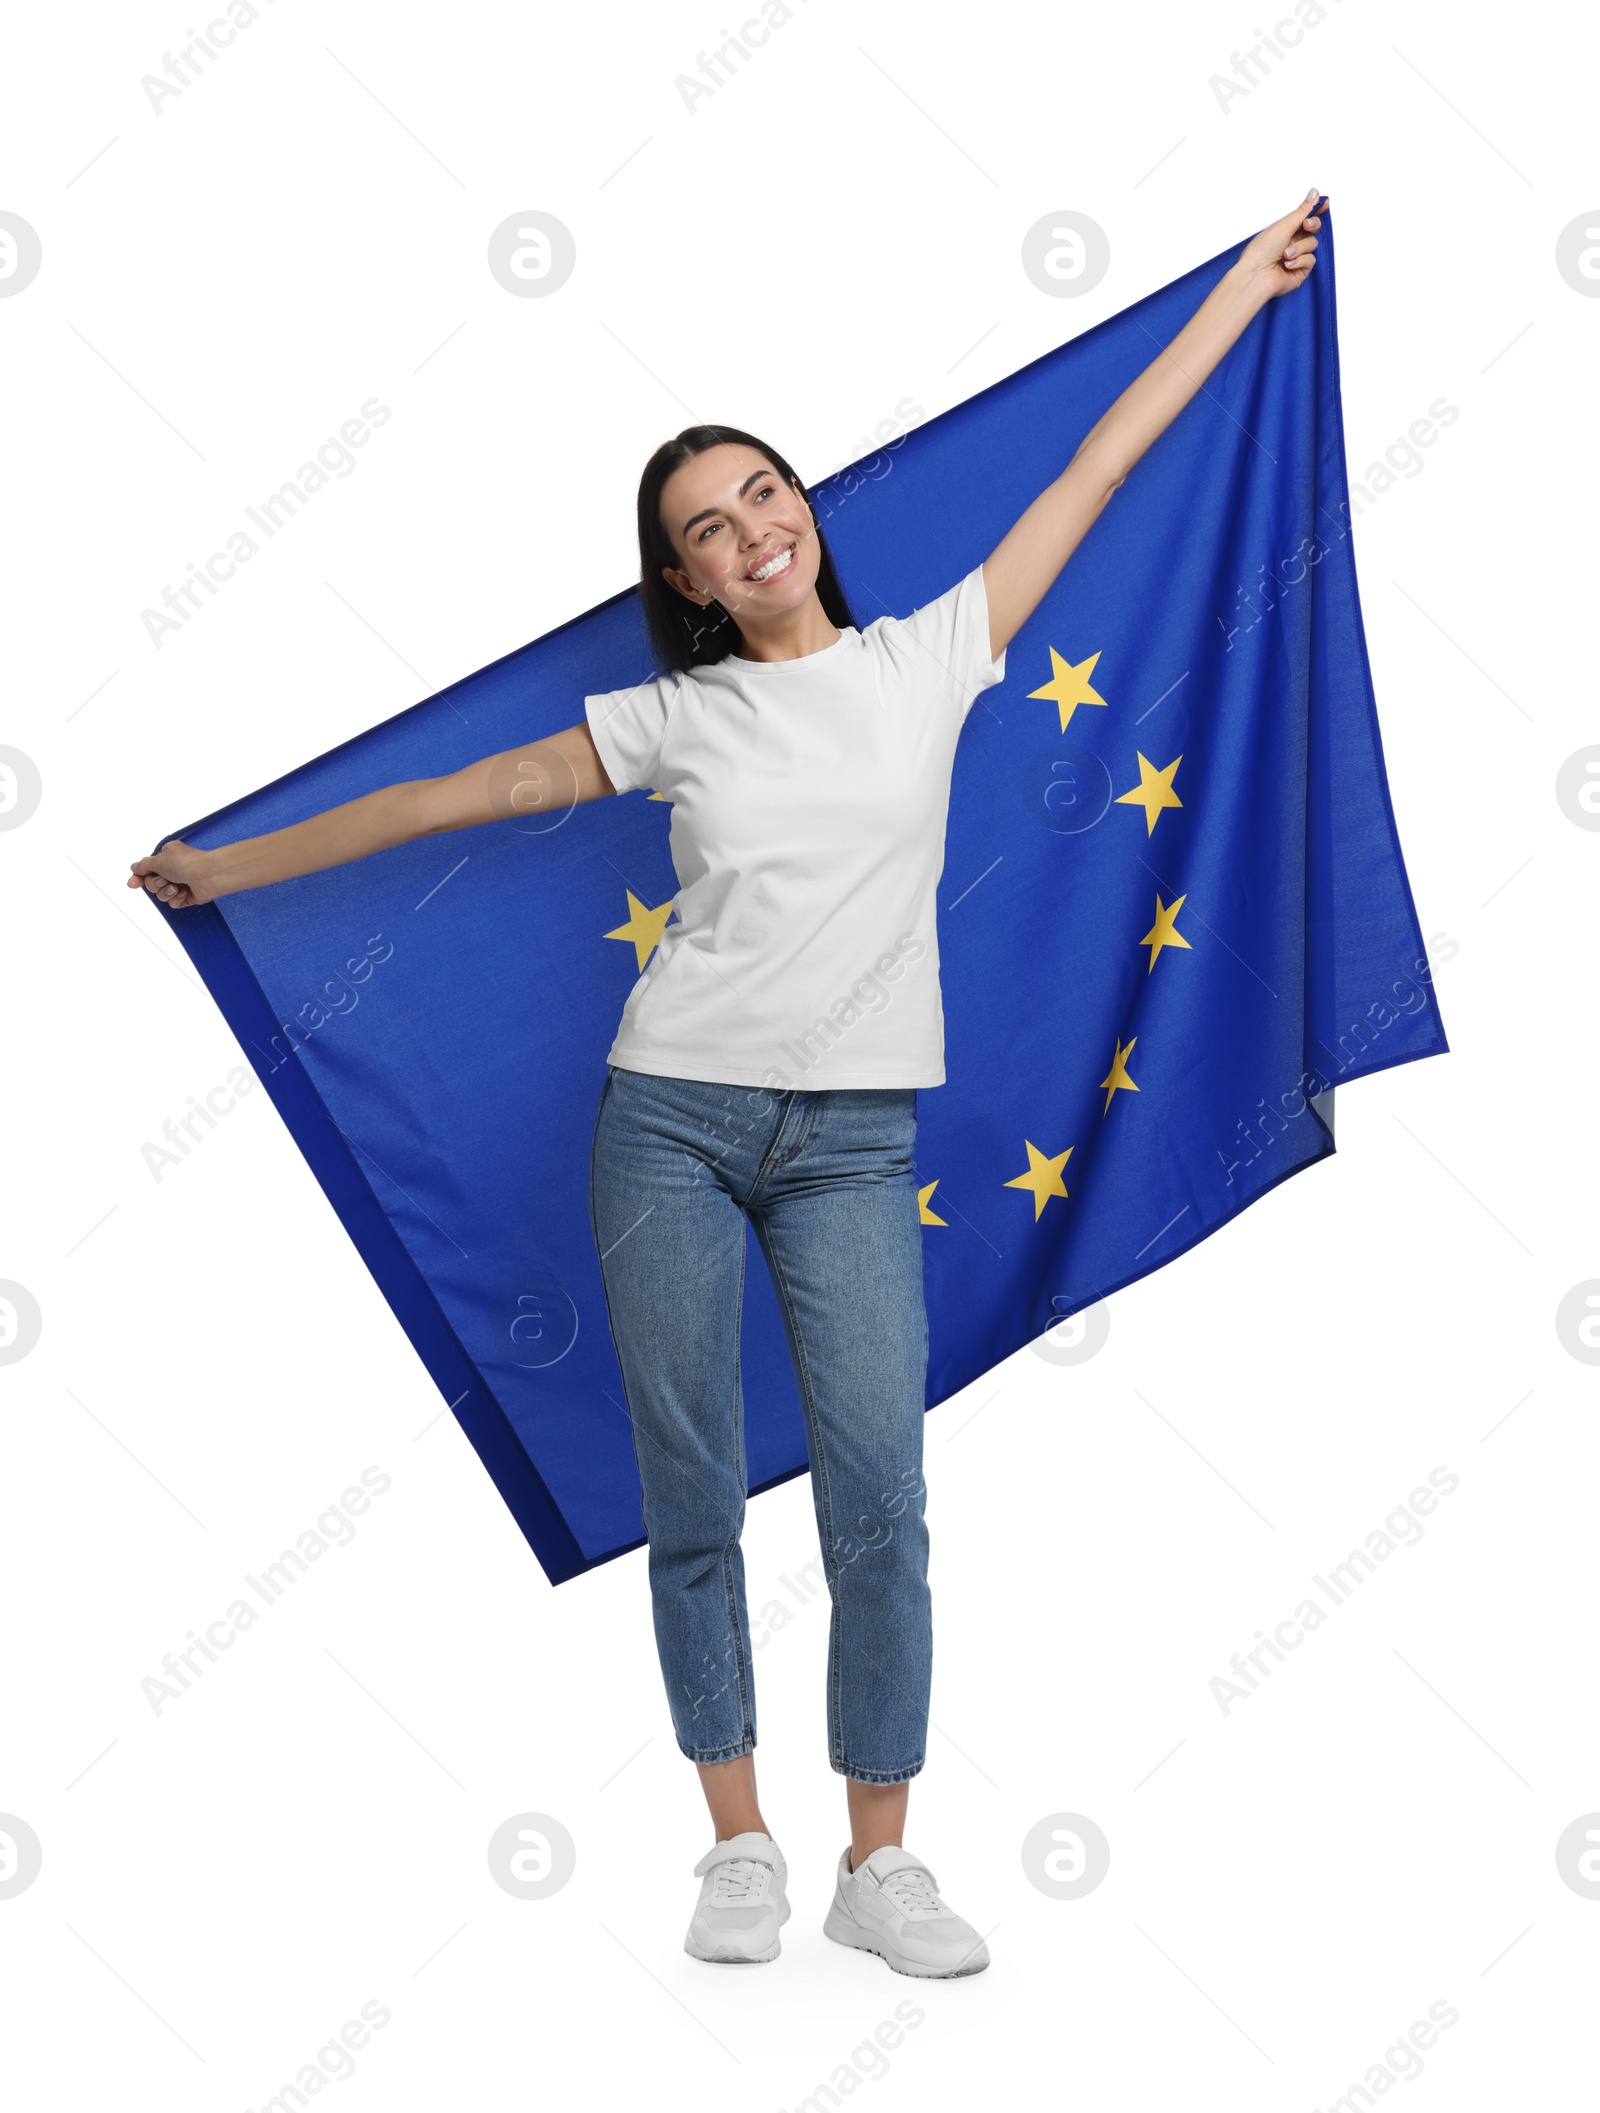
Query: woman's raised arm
(542,777)
(1018,573)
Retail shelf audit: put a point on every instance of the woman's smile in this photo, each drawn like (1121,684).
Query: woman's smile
(774,564)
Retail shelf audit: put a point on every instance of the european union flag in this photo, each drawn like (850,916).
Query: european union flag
(1174,912)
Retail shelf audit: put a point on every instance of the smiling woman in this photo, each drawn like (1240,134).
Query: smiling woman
(808,766)
(732,505)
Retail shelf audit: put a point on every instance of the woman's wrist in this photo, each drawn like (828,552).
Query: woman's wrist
(220,873)
(1249,286)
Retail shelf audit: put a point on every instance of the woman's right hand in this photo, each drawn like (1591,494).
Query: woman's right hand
(180,874)
(541,778)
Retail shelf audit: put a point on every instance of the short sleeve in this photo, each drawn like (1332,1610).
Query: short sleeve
(628,727)
(945,644)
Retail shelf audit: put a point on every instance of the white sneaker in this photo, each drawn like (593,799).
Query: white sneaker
(890,1905)
(742,1901)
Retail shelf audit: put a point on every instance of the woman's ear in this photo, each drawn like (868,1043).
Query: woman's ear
(675,577)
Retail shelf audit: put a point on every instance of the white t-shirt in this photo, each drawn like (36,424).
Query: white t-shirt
(809,800)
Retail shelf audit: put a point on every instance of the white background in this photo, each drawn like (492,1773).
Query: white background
(1291,1885)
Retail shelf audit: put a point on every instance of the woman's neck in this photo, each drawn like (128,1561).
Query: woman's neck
(791,636)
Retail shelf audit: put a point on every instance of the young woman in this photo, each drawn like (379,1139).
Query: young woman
(808,765)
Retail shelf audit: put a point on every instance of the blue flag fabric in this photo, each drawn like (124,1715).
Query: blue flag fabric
(1173,909)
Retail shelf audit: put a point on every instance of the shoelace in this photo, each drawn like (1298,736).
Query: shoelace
(736,1879)
(913,1891)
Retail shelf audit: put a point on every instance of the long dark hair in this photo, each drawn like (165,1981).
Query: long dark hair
(683,635)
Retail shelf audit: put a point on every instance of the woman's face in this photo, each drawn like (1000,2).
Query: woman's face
(730,516)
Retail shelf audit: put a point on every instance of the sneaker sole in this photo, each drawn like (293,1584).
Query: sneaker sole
(726,1955)
(843,1930)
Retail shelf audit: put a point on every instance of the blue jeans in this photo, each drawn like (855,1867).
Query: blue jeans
(829,1183)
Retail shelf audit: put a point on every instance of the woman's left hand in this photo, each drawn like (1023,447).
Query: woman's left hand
(1282,256)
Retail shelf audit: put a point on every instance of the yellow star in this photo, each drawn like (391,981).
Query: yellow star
(1043,1177)
(928,1216)
(1164,932)
(1153,792)
(659,796)
(644,927)
(1069,686)
(1117,1079)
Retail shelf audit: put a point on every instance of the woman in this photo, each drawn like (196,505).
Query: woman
(808,765)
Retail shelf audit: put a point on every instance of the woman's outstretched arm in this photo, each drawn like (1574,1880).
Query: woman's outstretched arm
(540,778)
(1018,573)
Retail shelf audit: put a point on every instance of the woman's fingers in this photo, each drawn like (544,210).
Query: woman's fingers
(1292,232)
(1291,221)
(1310,216)
(148,873)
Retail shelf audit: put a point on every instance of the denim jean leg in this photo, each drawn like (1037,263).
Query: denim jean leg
(839,1225)
(671,1240)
